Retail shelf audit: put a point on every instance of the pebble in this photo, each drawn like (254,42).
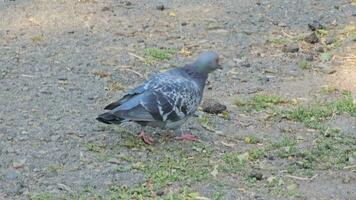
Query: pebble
(160,193)
(330,40)
(309,57)
(311,38)
(11,175)
(55,138)
(328,70)
(290,48)
(213,106)
(314,25)
(320,49)
(160,7)
(245,64)
(18,164)
(257,175)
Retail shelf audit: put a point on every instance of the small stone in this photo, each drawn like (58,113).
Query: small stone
(18,164)
(106,8)
(312,38)
(184,23)
(55,138)
(160,193)
(213,106)
(257,175)
(315,25)
(328,70)
(62,79)
(320,49)
(270,157)
(309,57)
(329,40)
(290,48)
(281,24)
(11,175)
(160,7)
(245,64)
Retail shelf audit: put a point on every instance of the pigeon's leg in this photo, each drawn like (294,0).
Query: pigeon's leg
(187,137)
(145,139)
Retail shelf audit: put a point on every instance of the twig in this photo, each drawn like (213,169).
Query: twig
(286,34)
(136,56)
(26,75)
(133,71)
(350,167)
(302,178)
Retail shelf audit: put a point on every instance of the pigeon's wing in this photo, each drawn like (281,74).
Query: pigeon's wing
(130,94)
(171,97)
(167,96)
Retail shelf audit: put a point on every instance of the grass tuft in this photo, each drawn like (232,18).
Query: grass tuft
(158,54)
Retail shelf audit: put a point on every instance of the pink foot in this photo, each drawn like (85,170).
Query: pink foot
(188,137)
(145,139)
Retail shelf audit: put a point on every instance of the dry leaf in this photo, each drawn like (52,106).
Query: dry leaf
(184,51)
(227,144)
(215,171)
(172,14)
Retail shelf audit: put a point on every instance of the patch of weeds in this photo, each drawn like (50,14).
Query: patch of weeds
(181,165)
(158,54)
(334,151)
(303,64)
(256,153)
(37,38)
(251,139)
(183,193)
(54,168)
(94,147)
(313,116)
(224,115)
(260,102)
(44,196)
(321,32)
(132,142)
(284,40)
(204,121)
(114,86)
(250,181)
(217,196)
(101,74)
(326,56)
(286,141)
(234,162)
(328,90)
(345,105)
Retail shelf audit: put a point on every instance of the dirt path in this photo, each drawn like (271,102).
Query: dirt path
(288,132)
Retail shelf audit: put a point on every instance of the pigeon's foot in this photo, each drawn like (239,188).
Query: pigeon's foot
(187,137)
(146,139)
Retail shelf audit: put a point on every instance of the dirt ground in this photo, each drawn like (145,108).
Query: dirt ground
(289,131)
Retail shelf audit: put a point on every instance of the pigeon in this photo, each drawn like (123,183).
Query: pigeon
(166,100)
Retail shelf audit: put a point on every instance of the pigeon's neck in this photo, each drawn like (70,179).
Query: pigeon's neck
(196,75)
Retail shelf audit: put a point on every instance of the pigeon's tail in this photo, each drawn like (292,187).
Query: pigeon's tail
(109,118)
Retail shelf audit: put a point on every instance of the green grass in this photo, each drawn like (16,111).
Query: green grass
(303,64)
(314,115)
(260,102)
(285,40)
(152,54)
(94,147)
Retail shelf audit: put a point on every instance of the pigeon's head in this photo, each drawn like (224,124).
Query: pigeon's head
(207,62)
